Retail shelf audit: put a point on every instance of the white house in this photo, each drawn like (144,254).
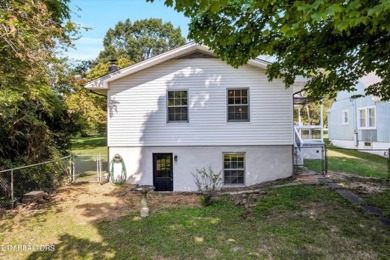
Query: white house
(187,109)
(362,123)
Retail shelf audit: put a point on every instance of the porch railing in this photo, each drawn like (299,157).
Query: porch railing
(309,133)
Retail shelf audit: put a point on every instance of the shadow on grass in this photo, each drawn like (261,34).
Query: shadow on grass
(300,221)
(71,247)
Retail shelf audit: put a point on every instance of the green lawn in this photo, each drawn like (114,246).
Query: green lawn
(351,161)
(299,222)
(296,222)
(380,199)
(87,149)
(89,145)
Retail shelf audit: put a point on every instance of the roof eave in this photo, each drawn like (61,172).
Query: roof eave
(175,53)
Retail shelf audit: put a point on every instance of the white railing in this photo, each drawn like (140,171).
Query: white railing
(309,133)
(297,139)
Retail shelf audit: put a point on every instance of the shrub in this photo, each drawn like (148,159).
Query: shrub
(208,182)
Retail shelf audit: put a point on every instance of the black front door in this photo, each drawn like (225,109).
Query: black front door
(163,171)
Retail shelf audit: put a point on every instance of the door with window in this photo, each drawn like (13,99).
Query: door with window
(163,171)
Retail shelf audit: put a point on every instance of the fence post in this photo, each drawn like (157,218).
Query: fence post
(100,168)
(12,188)
(388,164)
(73,169)
(325,160)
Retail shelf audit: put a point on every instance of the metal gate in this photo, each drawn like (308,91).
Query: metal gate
(89,167)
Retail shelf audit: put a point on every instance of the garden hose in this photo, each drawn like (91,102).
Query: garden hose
(123,177)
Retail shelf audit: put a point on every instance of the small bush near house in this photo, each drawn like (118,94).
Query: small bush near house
(208,182)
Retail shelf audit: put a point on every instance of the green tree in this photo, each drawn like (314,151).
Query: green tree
(139,40)
(100,69)
(128,43)
(333,43)
(35,123)
(86,109)
(311,112)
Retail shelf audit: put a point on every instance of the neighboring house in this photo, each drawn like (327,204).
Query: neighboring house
(187,109)
(362,123)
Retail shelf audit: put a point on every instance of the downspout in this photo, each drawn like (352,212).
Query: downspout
(355,131)
(322,120)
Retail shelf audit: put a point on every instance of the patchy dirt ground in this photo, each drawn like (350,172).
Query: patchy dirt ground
(361,184)
(91,202)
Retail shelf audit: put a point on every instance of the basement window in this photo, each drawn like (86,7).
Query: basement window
(233,168)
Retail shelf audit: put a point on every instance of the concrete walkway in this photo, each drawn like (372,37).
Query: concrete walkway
(350,196)
(355,199)
(309,177)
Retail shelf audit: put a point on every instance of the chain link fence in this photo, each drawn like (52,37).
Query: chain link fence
(313,155)
(378,160)
(16,182)
(89,167)
(320,158)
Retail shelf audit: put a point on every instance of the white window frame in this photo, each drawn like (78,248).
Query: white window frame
(367,117)
(360,117)
(232,105)
(345,112)
(167,107)
(240,169)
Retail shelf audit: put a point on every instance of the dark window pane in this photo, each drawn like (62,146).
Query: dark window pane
(184,117)
(233,165)
(238,105)
(233,168)
(177,106)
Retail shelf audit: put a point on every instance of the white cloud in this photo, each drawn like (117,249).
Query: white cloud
(88,41)
(83,54)
(86,48)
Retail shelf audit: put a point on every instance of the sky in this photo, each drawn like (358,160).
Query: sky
(100,15)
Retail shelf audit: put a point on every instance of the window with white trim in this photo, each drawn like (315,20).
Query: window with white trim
(345,117)
(367,117)
(371,117)
(362,118)
(238,105)
(177,106)
(233,168)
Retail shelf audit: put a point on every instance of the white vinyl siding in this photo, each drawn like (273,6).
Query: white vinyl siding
(139,116)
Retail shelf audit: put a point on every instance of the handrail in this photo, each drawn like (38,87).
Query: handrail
(311,129)
(307,126)
(297,136)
